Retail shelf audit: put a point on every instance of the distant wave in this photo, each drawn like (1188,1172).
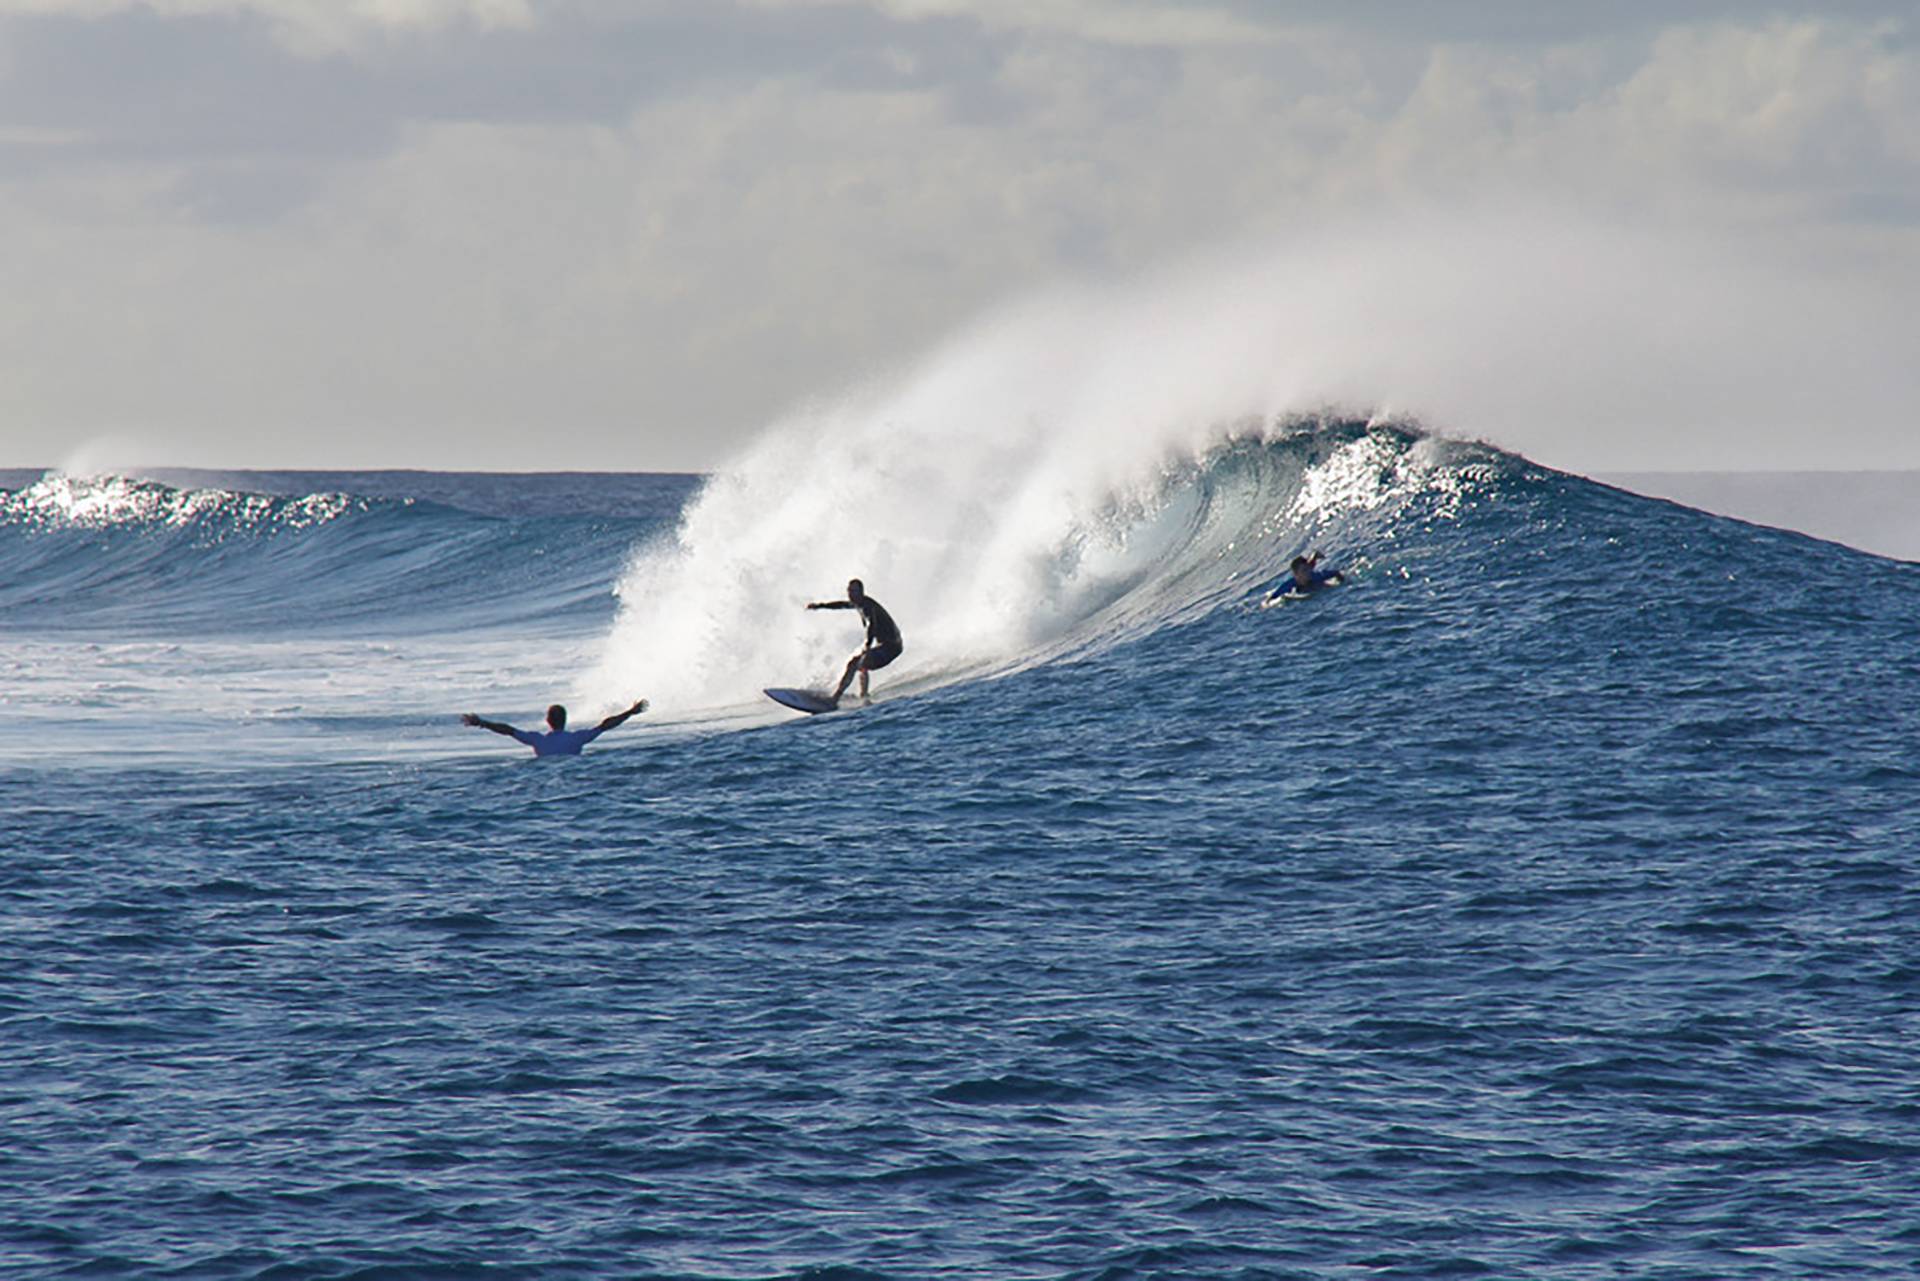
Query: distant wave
(58,502)
(142,556)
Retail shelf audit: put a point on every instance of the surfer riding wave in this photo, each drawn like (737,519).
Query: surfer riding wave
(883,643)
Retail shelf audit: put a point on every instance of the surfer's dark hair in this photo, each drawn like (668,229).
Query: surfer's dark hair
(855,585)
(557,716)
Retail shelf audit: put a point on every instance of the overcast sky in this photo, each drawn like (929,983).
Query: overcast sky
(627,234)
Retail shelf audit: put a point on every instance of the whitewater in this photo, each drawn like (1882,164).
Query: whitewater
(1540,902)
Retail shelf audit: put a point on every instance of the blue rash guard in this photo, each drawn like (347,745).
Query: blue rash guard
(1321,577)
(559,742)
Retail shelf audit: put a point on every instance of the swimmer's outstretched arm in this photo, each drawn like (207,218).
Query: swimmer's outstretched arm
(1326,575)
(620,717)
(468,718)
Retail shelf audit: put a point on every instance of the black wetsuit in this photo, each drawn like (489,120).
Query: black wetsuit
(883,634)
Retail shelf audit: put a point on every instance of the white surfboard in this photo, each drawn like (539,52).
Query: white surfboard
(802,700)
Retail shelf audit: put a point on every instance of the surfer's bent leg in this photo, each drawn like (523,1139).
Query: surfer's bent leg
(873,660)
(846,677)
(867,660)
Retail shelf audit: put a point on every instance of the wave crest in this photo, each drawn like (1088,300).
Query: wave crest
(60,501)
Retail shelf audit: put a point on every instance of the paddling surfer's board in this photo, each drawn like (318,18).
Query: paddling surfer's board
(801,700)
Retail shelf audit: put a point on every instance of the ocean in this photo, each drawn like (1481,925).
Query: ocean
(1875,511)
(1540,902)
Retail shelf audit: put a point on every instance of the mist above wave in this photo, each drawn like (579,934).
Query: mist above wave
(1001,492)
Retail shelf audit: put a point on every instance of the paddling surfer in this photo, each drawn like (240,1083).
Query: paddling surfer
(558,740)
(1304,575)
(883,643)
(1308,575)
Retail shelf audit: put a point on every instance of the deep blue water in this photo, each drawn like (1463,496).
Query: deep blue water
(1541,903)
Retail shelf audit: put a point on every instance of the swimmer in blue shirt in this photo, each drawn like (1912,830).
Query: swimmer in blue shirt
(1304,576)
(558,740)
(1307,574)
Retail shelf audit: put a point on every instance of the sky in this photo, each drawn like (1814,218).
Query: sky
(600,235)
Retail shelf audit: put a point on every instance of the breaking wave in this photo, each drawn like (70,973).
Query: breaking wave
(990,578)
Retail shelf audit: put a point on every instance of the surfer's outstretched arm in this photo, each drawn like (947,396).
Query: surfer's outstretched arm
(468,718)
(831,604)
(619,718)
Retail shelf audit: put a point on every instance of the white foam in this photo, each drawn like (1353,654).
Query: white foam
(1019,546)
(982,498)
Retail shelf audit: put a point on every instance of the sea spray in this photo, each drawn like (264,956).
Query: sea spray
(1003,571)
(1013,484)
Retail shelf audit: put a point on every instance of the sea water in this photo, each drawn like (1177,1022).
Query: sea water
(1538,903)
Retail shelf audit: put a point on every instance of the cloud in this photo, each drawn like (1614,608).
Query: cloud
(1224,23)
(1722,120)
(313,27)
(122,83)
(1120,22)
(611,235)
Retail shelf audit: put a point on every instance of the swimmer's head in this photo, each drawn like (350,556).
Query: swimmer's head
(556,717)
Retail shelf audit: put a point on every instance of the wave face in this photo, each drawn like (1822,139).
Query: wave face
(602,589)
